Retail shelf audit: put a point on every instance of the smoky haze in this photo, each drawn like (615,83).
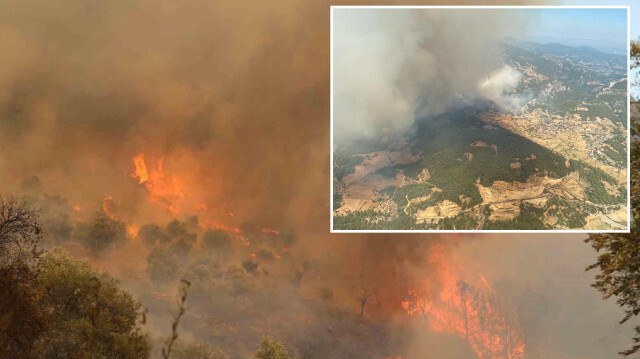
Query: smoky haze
(236,102)
(394,65)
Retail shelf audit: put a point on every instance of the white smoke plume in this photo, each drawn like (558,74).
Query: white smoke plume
(498,87)
(393,65)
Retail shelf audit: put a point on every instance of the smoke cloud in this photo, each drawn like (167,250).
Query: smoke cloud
(235,101)
(391,66)
(498,87)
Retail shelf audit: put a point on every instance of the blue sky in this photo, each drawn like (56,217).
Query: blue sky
(634,7)
(580,23)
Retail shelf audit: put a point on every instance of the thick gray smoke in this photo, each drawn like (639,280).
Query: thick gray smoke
(391,66)
(240,97)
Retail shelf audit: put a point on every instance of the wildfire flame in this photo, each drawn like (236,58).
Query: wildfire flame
(107,207)
(163,189)
(141,172)
(132,230)
(269,231)
(476,315)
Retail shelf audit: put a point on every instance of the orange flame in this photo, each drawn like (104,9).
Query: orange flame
(486,283)
(209,224)
(269,231)
(107,207)
(141,172)
(167,190)
(451,305)
(132,230)
(162,188)
(245,241)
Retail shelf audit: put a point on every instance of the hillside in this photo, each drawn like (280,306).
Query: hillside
(560,163)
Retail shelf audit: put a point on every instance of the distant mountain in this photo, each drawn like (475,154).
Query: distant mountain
(581,53)
(609,46)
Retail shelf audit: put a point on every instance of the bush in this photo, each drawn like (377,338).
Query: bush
(271,349)
(162,265)
(101,234)
(88,312)
(196,350)
(217,240)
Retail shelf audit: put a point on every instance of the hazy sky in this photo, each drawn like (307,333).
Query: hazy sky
(580,23)
(634,9)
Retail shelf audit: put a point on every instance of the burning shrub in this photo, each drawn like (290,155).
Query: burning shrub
(475,315)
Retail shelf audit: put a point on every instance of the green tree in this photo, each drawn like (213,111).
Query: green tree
(619,254)
(619,264)
(182,239)
(101,234)
(271,349)
(22,317)
(87,311)
(635,59)
(19,230)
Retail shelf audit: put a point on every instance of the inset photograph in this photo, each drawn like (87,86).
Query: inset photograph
(480,119)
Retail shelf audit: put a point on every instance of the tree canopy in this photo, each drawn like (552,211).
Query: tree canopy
(619,254)
(55,306)
(87,311)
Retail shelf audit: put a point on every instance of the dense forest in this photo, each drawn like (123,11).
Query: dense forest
(56,306)
(455,166)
